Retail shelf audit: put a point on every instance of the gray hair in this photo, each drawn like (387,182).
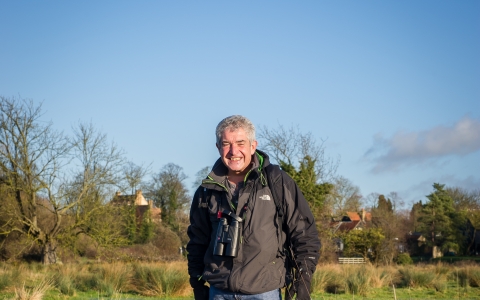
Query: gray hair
(233,123)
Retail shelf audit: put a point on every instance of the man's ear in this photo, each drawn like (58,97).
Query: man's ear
(254,146)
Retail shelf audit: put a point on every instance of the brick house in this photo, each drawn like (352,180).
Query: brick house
(142,205)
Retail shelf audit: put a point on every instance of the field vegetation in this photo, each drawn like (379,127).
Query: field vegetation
(169,280)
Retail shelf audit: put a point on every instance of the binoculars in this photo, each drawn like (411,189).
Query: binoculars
(228,236)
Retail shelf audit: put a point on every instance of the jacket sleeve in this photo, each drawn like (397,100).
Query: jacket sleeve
(301,229)
(199,234)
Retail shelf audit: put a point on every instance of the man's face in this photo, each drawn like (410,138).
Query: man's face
(236,151)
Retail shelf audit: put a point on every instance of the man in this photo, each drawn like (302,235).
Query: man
(247,257)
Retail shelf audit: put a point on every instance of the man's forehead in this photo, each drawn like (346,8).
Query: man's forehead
(237,134)
(237,130)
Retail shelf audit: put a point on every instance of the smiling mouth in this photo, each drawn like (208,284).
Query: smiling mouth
(235,158)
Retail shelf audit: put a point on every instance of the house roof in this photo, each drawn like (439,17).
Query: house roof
(136,199)
(347,226)
(355,216)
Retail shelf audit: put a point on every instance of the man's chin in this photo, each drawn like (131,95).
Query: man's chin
(236,170)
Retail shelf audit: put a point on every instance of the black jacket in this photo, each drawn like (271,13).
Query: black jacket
(259,266)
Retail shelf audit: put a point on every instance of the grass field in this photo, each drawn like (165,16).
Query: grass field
(170,281)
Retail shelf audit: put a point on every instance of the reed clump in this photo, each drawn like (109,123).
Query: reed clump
(467,276)
(160,280)
(358,280)
(416,278)
(328,279)
(35,293)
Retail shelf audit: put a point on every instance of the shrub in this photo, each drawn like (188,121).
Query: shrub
(65,285)
(463,277)
(440,284)
(319,281)
(336,284)
(404,259)
(89,281)
(415,278)
(159,280)
(442,269)
(35,293)
(331,279)
(475,277)
(118,275)
(382,277)
(166,241)
(8,276)
(358,283)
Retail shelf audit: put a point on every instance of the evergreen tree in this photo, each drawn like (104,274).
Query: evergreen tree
(306,179)
(384,205)
(437,220)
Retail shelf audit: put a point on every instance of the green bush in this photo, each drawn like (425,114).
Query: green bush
(404,259)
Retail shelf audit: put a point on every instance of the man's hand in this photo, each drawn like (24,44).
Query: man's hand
(302,286)
(303,292)
(200,290)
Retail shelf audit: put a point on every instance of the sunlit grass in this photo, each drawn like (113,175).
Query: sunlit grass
(169,280)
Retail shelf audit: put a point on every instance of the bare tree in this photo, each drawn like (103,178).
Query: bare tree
(397,201)
(345,196)
(291,147)
(96,174)
(31,156)
(46,202)
(201,175)
(134,174)
(371,200)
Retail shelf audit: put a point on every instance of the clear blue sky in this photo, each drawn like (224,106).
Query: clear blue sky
(393,86)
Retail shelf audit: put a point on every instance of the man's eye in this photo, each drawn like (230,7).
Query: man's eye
(225,144)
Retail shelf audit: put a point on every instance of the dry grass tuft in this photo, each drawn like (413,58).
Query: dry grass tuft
(35,293)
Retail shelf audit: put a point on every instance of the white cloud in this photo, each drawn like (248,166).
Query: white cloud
(420,190)
(407,148)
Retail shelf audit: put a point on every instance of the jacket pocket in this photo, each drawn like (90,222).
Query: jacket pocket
(263,279)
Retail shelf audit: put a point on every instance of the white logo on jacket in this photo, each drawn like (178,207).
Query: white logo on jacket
(265,197)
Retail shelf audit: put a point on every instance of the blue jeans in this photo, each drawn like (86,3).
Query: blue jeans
(217,294)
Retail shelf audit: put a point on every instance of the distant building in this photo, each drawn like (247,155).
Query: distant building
(142,205)
(352,221)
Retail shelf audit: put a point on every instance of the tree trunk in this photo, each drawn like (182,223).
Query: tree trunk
(49,253)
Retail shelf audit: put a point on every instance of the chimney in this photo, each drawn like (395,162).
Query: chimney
(363,214)
(118,194)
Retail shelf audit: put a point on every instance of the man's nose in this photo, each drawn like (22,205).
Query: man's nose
(233,149)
